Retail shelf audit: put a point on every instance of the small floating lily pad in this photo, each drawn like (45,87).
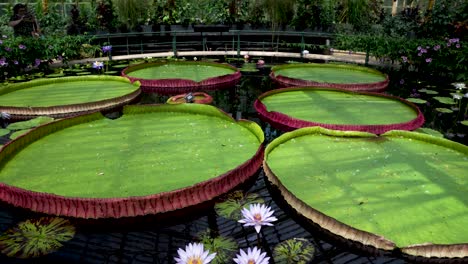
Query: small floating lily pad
(55,75)
(18,133)
(30,123)
(426,91)
(111,72)
(464,122)
(416,100)
(444,110)
(4,131)
(83,73)
(445,100)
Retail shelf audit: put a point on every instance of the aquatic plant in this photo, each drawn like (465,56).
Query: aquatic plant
(295,250)
(225,247)
(232,206)
(36,237)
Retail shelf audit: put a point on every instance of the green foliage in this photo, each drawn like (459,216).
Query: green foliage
(30,123)
(232,206)
(294,251)
(4,131)
(224,247)
(132,12)
(441,22)
(314,14)
(36,237)
(359,13)
(25,54)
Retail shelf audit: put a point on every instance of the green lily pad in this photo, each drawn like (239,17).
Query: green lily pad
(77,70)
(445,100)
(232,207)
(83,73)
(18,133)
(111,72)
(444,110)
(120,66)
(4,131)
(416,100)
(55,75)
(429,131)
(30,123)
(294,250)
(424,90)
(464,122)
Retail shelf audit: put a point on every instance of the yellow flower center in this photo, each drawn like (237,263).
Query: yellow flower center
(251,261)
(194,260)
(257,217)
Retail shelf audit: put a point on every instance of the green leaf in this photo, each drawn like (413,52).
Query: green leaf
(424,90)
(295,250)
(18,133)
(36,237)
(429,131)
(445,100)
(224,247)
(4,131)
(231,208)
(464,122)
(30,123)
(416,100)
(444,110)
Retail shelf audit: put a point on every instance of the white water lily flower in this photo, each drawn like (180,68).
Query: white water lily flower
(457,96)
(194,253)
(253,256)
(4,115)
(459,86)
(257,215)
(305,52)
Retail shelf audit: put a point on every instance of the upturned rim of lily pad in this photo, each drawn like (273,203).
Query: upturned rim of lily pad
(166,201)
(68,110)
(173,86)
(285,122)
(356,238)
(285,81)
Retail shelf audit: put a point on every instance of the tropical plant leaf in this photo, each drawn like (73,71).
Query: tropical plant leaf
(30,123)
(36,237)
(416,100)
(445,100)
(18,133)
(224,247)
(427,91)
(295,250)
(232,206)
(444,110)
(429,131)
(4,131)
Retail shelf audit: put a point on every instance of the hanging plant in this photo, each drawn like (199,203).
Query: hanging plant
(36,237)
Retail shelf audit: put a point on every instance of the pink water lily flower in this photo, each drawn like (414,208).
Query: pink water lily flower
(257,215)
(253,256)
(194,253)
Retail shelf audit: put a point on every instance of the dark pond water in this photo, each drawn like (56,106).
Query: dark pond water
(155,239)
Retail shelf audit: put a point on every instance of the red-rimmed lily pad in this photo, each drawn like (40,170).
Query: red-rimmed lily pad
(401,190)
(153,159)
(296,107)
(343,76)
(182,76)
(68,96)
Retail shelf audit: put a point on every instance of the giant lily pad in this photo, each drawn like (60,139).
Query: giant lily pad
(291,108)
(349,77)
(153,159)
(182,76)
(62,97)
(402,190)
